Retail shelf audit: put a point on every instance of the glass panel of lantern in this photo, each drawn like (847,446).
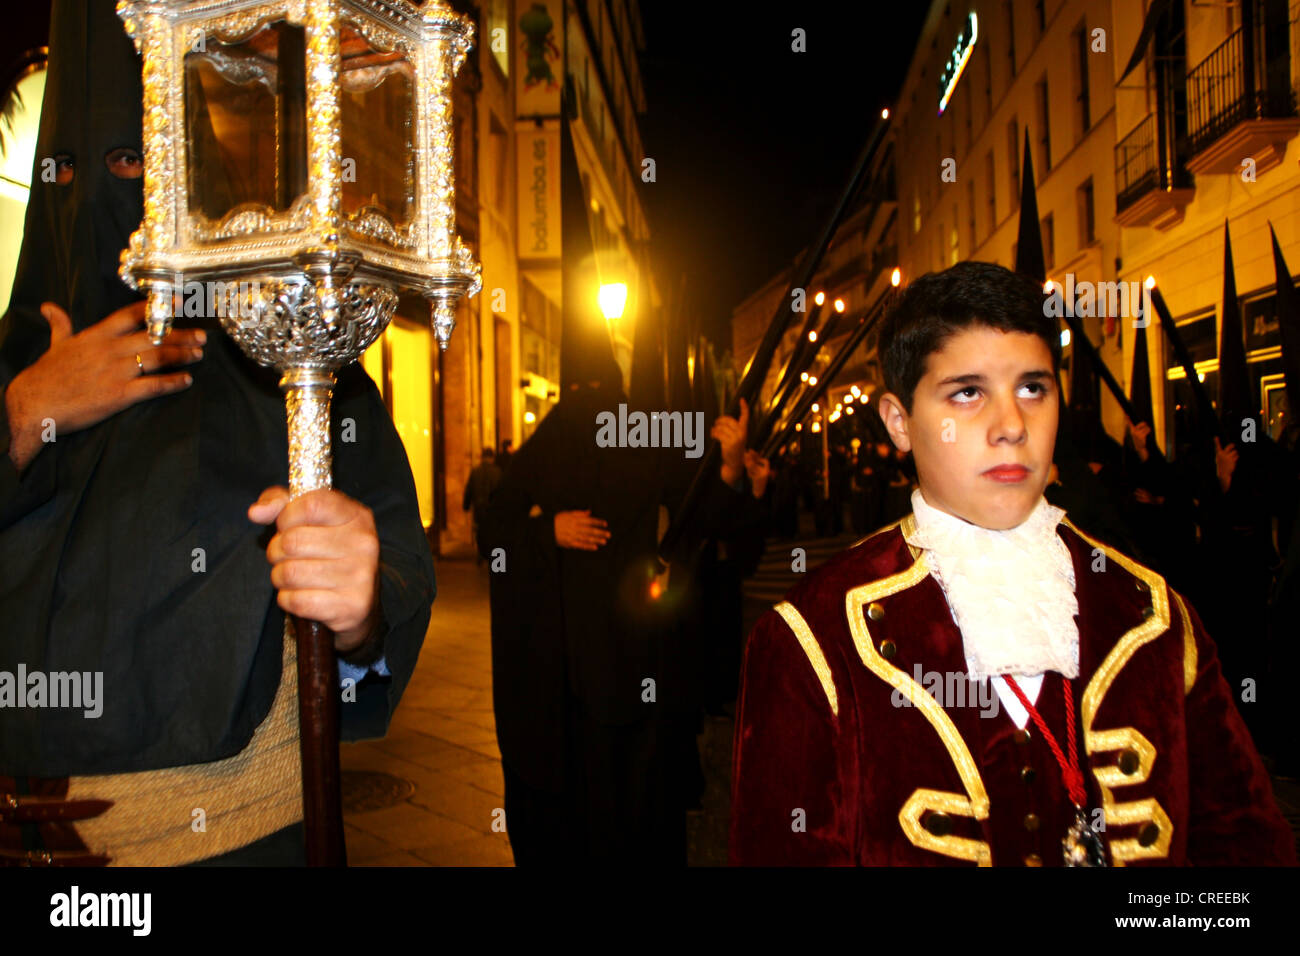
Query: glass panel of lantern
(376,103)
(245,106)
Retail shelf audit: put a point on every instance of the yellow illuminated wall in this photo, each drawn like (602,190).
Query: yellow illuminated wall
(412,399)
(413,404)
(15,177)
(372,360)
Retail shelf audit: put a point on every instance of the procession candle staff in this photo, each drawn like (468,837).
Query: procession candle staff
(796,366)
(804,355)
(805,349)
(1206,407)
(755,374)
(865,324)
(324,273)
(795,373)
(1082,342)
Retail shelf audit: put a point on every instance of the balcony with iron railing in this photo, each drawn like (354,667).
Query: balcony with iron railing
(1240,104)
(1152,187)
(1137,169)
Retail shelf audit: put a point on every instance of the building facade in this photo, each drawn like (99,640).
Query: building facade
(1149,125)
(1137,169)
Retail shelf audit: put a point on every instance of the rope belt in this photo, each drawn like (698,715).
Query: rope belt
(152,819)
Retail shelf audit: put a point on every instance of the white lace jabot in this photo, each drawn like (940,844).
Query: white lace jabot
(1011,592)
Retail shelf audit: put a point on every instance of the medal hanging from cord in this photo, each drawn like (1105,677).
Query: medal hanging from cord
(1081,845)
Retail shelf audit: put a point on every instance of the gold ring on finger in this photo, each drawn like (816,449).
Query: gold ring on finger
(139,362)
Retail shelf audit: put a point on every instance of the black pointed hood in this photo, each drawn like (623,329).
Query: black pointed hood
(586,352)
(75,232)
(1288,318)
(1029,238)
(1139,391)
(1235,399)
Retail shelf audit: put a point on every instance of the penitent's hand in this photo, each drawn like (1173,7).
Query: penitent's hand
(1225,463)
(759,470)
(324,560)
(731,434)
(1140,432)
(580,531)
(83,379)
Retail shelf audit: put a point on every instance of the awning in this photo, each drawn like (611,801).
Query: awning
(1157,10)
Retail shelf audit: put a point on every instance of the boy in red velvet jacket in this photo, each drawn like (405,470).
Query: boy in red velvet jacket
(982,682)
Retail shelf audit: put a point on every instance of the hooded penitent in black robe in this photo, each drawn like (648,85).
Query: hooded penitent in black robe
(585,741)
(98,535)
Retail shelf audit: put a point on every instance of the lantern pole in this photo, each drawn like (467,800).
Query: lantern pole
(307,394)
(308,389)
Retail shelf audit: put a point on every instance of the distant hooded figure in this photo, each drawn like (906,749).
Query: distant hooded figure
(588,680)
(132,558)
(483,480)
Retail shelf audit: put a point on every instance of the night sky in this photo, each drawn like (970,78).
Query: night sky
(753,142)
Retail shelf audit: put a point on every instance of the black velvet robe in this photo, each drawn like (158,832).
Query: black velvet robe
(578,623)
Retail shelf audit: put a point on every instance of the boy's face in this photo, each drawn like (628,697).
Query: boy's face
(987,399)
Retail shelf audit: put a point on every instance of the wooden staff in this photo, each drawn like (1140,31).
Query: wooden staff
(307,393)
(1202,397)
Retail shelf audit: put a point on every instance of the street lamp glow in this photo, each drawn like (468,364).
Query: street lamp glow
(529,418)
(884,114)
(896,276)
(1151,282)
(816,407)
(848,397)
(798,426)
(849,410)
(1065,337)
(613,297)
(863,398)
(812,379)
(812,335)
(816,426)
(819,298)
(839,305)
(803,376)
(856,391)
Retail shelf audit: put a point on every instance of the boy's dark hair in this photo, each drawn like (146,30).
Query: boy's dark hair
(938,304)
